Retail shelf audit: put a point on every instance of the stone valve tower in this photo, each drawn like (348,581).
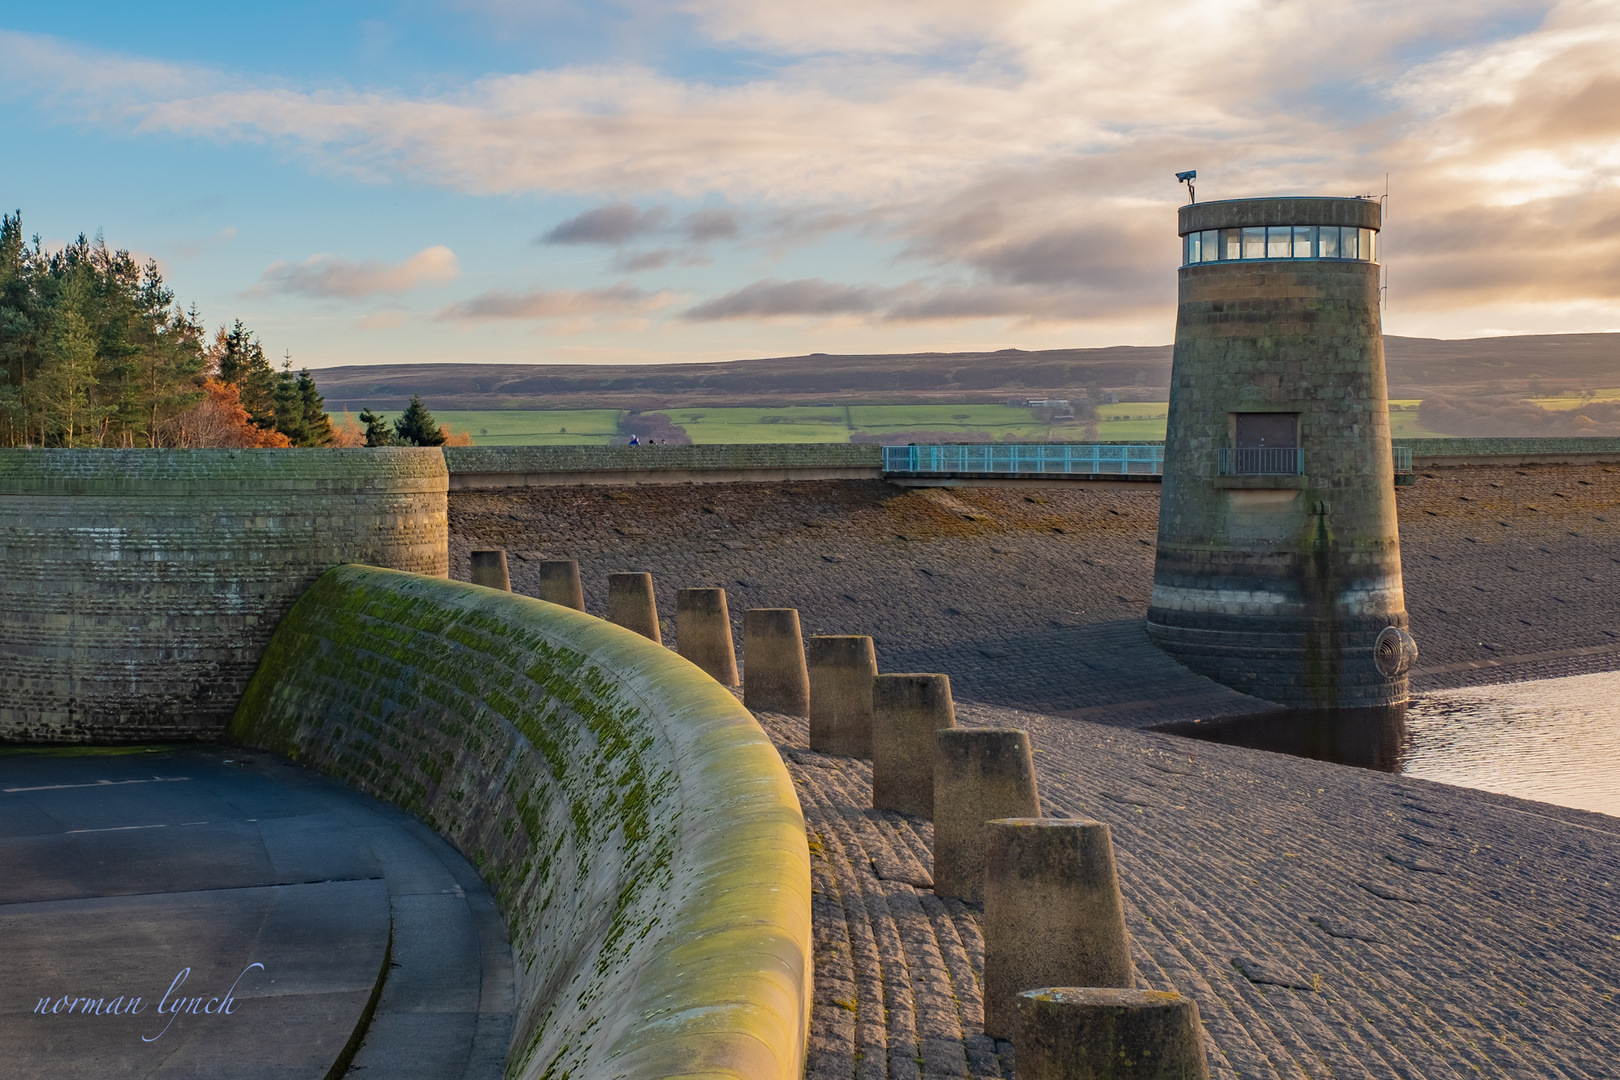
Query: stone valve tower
(1278,570)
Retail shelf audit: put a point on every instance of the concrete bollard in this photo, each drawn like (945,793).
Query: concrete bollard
(631,604)
(1094,1033)
(980,774)
(489,570)
(703,633)
(559,584)
(842,668)
(907,712)
(775,678)
(1053,915)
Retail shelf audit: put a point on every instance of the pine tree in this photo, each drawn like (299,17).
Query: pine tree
(416,426)
(377,430)
(238,358)
(289,406)
(94,352)
(316,422)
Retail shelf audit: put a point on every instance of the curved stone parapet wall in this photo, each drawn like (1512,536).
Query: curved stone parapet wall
(139,587)
(635,823)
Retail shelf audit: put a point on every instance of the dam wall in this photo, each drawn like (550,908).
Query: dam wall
(138,588)
(637,827)
(473,467)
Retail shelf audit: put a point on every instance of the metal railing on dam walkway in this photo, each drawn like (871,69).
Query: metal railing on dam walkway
(1026,459)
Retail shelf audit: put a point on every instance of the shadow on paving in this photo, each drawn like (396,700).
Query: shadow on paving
(1112,667)
(207,911)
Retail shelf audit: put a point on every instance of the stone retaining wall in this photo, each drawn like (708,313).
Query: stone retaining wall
(138,587)
(529,466)
(634,822)
(1557,451)
(474,467)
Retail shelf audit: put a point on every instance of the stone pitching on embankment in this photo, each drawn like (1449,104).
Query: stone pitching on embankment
(638,829)
(138,587)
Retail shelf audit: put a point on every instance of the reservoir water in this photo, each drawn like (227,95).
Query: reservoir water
(1552,740)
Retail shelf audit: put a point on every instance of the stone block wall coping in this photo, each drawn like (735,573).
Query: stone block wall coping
(167,474)
(638,829)
(545,466)
(1300,210)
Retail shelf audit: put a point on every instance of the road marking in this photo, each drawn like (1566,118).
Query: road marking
(126,828)
(99,784)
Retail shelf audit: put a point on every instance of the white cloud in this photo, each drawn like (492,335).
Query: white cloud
(500,304)
(1023,150)
(324,277)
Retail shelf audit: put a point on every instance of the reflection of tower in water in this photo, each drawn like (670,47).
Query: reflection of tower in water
(1278,561)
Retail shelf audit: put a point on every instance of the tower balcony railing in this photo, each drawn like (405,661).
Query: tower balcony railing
(1403,458)
(1262,461)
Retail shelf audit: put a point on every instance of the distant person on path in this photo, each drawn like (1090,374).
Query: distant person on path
(634,441)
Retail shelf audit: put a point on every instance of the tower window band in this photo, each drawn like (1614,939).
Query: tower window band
(1280,242)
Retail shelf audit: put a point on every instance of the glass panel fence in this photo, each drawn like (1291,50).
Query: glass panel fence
(1280,242)
(1304,241)
(1254,243)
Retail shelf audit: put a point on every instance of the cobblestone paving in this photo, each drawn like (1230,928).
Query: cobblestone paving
(1035,597)
(1512,573)
(1330,922)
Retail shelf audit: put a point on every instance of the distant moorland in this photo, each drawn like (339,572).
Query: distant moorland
(1564,384)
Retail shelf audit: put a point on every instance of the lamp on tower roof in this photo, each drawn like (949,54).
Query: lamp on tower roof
(1187,178)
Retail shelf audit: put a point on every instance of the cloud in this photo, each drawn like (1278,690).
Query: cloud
(191,249)
(646,260)
(382,320)
(620,299)
(912,302)
(771,298)
(326,276)
(1012,160)
(615,223)
(706,225)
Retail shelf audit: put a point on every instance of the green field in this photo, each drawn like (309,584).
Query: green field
(1403,421)
(561,427)
(993,420)
(835,423)
(1575,401)
(796,424)
(1132,421)
(1142,421)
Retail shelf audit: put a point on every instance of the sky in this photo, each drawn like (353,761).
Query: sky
(387,181)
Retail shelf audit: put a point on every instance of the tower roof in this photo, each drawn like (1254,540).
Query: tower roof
(1292,210)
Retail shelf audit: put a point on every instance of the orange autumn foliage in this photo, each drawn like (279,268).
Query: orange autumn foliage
(347,432)
(220,420)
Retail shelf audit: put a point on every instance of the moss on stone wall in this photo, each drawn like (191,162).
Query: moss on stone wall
(633,821)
